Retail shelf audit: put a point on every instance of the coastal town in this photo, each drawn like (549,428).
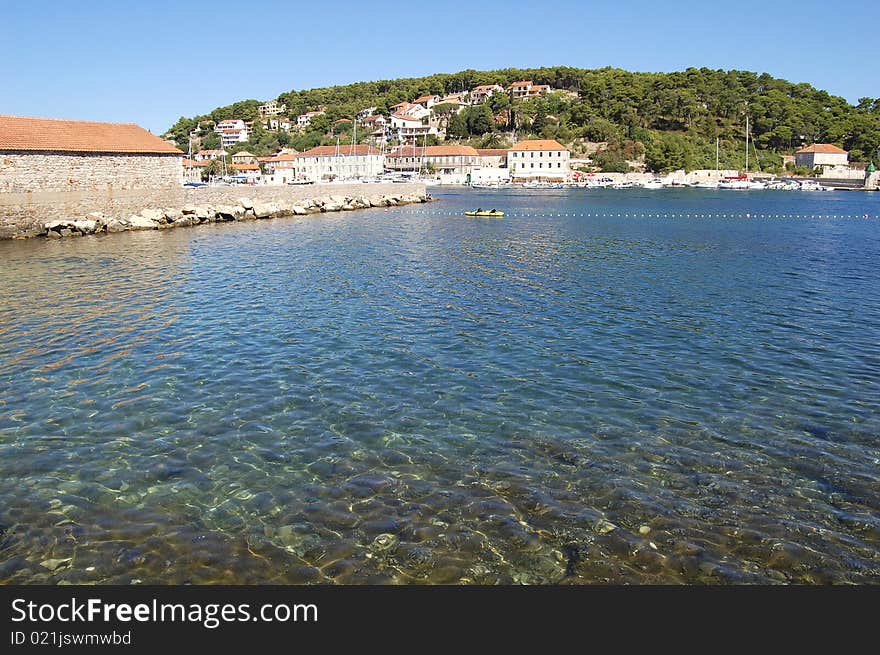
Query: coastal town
(372,146)
(63,177)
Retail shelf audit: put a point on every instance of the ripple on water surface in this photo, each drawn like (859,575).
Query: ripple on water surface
(415,397)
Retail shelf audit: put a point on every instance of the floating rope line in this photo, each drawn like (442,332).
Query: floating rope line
(746,215)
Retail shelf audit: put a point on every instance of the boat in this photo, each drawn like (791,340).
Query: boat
(490,213)
(653,184)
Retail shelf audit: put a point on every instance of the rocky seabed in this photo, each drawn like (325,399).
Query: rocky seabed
(244,209)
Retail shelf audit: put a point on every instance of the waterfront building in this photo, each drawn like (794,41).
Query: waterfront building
(231,131)
(193,170)
(49,154)
(482,93)
(272,108)
(540,159)
(251,172)
(443,160)
(492,157)
(344,162)
(280,168)
(821,155)
(364,113)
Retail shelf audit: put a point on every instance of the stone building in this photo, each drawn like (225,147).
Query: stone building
(48,154)
(824,155)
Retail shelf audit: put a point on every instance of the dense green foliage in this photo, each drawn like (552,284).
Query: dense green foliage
(671,118)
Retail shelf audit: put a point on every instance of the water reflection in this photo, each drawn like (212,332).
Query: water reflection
(405,397)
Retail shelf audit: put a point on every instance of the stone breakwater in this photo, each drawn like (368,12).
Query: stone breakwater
(57,216)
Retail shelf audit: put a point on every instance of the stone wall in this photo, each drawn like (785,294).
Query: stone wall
(25,215)
(21,172)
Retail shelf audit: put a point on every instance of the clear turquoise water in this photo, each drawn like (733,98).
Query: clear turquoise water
(411,396)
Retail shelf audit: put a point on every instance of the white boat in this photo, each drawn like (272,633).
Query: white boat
(706,185)
(653,184)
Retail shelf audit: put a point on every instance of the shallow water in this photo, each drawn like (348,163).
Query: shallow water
(411,396)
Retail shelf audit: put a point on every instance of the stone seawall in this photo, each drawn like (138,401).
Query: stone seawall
(58,214)
(21,172)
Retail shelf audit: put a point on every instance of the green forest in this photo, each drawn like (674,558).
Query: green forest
(672,120)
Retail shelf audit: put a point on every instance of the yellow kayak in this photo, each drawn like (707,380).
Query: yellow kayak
(495,213)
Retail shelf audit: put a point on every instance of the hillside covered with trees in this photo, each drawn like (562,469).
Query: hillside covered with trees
(671,120)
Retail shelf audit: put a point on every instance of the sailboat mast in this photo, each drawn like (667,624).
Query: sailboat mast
(717,154)
(747,144)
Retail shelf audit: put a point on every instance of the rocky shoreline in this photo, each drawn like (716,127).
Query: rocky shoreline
(242,209)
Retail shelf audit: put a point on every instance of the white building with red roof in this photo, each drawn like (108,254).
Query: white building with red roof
(480,94)
(304,120)
(539,159)
(342,162)
(231,131)
(410,128)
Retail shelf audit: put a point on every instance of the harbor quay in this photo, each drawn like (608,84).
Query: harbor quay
(56,214)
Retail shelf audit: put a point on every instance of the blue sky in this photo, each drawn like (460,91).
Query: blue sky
(153,61)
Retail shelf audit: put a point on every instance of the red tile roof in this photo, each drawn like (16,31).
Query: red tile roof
(57,135)
(343,150)
(492,152)
(425,98)
(539,144)
(245,167)
(825,148)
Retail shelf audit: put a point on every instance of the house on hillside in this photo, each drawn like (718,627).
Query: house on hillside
(427,101)
(409,128)
(231,131)
(304,120)
(49,154)
(482,93)
(271,108)
(527,89)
